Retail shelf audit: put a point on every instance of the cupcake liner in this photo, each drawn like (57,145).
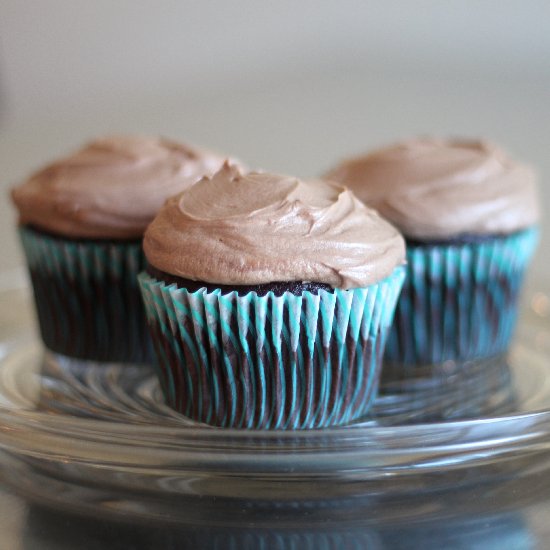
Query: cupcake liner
(270,362)
(459,301)
(87,297)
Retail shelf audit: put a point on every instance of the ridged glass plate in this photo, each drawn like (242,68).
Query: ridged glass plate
(98,438)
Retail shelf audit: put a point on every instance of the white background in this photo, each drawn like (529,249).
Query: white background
(286,85)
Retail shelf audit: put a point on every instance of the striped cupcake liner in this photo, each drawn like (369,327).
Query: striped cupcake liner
(270,362)
(459,301)
(87,297)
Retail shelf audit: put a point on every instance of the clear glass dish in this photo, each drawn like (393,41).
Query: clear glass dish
(98,439)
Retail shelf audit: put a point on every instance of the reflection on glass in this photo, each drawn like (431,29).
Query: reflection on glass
(449,391)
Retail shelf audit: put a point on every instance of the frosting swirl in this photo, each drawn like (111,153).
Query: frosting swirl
(112,188)
(237,229)
(433,188)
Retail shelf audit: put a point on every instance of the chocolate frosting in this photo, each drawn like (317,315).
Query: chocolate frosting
(112,188)
(438,189)
(236,229)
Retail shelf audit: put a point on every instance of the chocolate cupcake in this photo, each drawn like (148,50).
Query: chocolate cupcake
(269,301)
(82,220)
(469,214)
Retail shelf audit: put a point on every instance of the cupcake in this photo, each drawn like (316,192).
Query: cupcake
(269,300)
(82,220)
(468,213)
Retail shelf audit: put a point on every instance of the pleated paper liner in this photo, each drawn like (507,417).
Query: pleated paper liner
(270,362)
(87,297)
(459,301)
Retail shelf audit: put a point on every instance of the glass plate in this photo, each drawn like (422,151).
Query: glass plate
(98,439)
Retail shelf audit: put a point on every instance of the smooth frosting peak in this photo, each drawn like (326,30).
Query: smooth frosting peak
(435,188)
(255,228)
(112,188)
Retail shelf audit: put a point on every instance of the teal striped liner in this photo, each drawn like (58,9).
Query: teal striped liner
(87,297)
(459,301)
(270,362)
